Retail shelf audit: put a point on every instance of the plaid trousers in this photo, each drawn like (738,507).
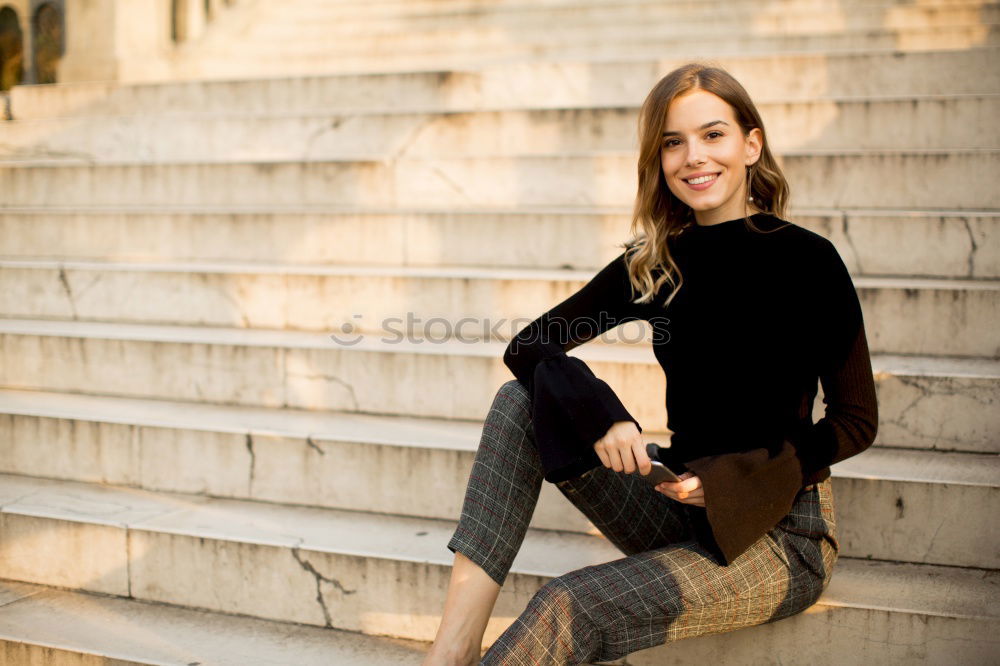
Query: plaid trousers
(667,586)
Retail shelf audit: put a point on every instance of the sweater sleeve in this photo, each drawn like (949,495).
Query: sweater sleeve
(571,407)
(850,421)
(748,493)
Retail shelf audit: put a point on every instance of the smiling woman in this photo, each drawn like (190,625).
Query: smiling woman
(749,310)
(707,165)
(698,124)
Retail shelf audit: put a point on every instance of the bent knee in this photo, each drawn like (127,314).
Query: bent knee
(557,599)
(515,391)
(511,404)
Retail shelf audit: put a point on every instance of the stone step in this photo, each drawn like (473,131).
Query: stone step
(472,304)
(304,46)
(959,179)
(931,122)
(45,625)
(388,574)
(417,8)
(669,21)
(574,19)
(307,60)
(538,84)
(893,504)
(773,16)
(944,244)
(664,19)
(923,402)
(227,65)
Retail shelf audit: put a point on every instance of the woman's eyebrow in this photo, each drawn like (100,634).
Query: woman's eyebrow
(705,126)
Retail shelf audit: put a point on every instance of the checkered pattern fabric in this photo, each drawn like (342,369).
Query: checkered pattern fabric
(666,587)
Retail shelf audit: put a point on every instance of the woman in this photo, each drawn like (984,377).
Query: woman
(747,311)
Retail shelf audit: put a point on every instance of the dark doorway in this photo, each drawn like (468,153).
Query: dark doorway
(47,38)
(11,49)
(177,32)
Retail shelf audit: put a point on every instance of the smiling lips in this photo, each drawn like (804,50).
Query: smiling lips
(701,181)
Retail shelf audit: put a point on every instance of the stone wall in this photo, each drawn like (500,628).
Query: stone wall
(104,40)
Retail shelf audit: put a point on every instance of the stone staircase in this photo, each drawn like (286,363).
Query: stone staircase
(193,471)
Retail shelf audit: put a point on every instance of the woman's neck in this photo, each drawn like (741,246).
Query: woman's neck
(749,210)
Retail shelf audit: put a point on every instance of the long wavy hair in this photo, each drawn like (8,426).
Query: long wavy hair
(659,216)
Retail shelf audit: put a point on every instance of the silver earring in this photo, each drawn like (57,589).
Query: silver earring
(749,184)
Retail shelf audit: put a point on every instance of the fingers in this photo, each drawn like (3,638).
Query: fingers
(696,498)
(685,485)
(622,448)
(688,482)
(628,462)
(610,457)
(689,490)
(641,457)
(617,463)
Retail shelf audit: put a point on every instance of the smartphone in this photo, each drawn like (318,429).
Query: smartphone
(660,472)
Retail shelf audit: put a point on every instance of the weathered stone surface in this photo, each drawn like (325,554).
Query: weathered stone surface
(925,402)
(955,179)
(910,242)
(467,304)
(387,574)
(941,122)
(262,470)
(535,84)
(48,626)
(892,504)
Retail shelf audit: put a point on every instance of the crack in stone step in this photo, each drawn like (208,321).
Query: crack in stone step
(313,445)
(320,579)
(253,463)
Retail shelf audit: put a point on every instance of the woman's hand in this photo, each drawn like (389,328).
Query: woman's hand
(688,491)
(622,449)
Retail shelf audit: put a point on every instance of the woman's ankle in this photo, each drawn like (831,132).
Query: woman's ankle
(470,599)
(450,654)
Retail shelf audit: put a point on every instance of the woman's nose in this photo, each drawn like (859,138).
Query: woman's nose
(695,155)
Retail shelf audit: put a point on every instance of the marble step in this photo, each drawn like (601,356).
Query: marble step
(958,316)
(818,15)
(922,179)
(303,41)
(893,504)
(382,574)
(228,65)
(930,122)
(924,402)
(571,18)
(416,8)
(943,244)
(303,46)
(537,84)
(666,20)
(46,625)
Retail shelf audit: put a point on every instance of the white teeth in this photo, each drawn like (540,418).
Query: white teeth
(702,179)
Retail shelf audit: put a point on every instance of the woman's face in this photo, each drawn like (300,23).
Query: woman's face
(704,155)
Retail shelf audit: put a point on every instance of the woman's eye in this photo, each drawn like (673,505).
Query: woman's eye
(670,143)
(714,135)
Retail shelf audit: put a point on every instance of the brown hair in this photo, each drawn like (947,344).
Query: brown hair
(658,215)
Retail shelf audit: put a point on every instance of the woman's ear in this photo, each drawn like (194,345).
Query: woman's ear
(754,144)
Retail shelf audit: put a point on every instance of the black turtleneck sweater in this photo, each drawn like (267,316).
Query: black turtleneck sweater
(759,317)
